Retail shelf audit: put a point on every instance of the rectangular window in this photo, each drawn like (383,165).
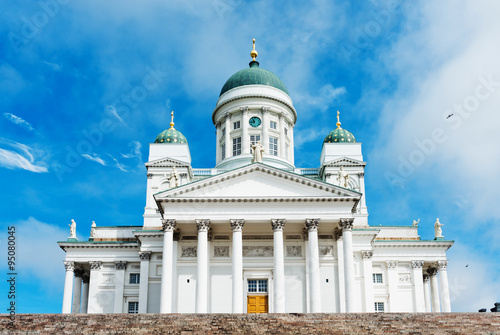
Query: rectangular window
(287,147)
(236,146)
(133,307)
(254,139)
(273,125)
(273,146)
(379,307)
(257,285)
(377,278)
(286,131)
(223,152)
(236,125)
(223,132)
(135,278)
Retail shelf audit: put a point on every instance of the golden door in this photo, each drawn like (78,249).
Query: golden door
(257,304)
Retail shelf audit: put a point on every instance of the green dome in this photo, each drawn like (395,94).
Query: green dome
(254,75)
(340,135)
(170,136)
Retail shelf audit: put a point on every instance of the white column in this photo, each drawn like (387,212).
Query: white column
(368,280)
(144,283)
(202,266)
(93,304)
(418,286)
(361,176)
(443,286)
(119,285)
(237,228)
(427,293)
(245,140)
(292,150)
(68,287)
(436,308)
(229,143)
(282,140)
(167,266)
(340,269)
(265,129)
(218,136)
(313,263)
(77,290)
(85,293)
(346,226)
(279,266)
(392,281)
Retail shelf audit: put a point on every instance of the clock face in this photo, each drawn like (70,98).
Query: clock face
(255,121)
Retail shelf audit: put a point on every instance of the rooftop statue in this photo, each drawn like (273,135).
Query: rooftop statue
(257,151)
(72,229)
(437,228)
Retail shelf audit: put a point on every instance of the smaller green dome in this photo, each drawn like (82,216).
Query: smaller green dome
(170,136)
(340,135)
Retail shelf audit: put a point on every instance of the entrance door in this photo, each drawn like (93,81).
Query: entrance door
(257,299)
(257,304)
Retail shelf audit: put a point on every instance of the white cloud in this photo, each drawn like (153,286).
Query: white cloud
(18,120)
(118,164)
(308,135)
(94,158)
(327,95)
(135,152)
(112,110)
(21,157)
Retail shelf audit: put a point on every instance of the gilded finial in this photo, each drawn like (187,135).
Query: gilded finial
(338,119)
(172,121)
(253,53)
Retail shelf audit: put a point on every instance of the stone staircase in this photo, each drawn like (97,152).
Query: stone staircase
(382,323)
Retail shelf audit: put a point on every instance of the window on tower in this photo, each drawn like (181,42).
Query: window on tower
(273,146)
(236,125)
(273,125)
(135,278)
(254,139)
(286,131)
(223,150)
(223,132)
(236,146)
(377,278)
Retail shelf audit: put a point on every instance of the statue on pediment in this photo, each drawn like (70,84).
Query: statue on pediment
(415,223)
(437,228)
(343,178)
(174,178)
(257,151)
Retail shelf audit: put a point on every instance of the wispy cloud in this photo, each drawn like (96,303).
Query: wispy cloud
(53,66)
(112,110)
(118,164)
(18,121)
(19,156)
(135,152)
(94,158)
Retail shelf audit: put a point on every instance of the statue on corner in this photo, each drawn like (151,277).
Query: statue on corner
(257,151)
(92,229)
(437,228)
(72,229)
(343,178)
(174,178)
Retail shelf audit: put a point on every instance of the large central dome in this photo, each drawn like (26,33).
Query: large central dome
(254,75)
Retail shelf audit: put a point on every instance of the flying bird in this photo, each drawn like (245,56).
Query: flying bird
(449,116)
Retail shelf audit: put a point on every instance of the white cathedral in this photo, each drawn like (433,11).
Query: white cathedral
(255,234)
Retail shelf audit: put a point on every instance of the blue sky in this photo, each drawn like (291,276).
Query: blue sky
(86,85)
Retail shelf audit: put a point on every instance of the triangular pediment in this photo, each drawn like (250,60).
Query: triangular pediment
(344,161)
(167,162)
(258,181)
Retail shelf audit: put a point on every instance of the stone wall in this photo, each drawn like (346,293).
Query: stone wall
(384,323)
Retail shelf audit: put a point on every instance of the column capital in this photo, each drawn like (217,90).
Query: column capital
(244,109)
(442,265)
(69,266)
(417,264)
(203,225)
(392,264)
(121,265)
(237,224)
(278,224)
(361,174)
(79,272)
(432,271)
(338,234)
(426,277)
(144,255)
(149,175)
(168,224)
(282,116)
(346,224)
(95,265)
(367,254)
(265,110)
(312,224)
(227,115)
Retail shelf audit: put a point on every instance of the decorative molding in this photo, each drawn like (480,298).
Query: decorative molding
(417,264)
(312,224)
(265,110)
(221,251)
(237,224)
(121,265)
(244,109)
(361,174)
(392,264)
(258,251)
(168,225)
(294,251)
(442,265)
(326,250)
(159,257)
(149,175)
(346,224)
(325,237)
(221,238)
(69,266)
(294,237)
(107,279)
(278,224)
(145,255)
(135,266)
(203,225)
(257,237)
(95,265)
(189,252)
(367,254)
(404,278)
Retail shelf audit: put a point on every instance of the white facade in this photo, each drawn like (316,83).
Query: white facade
(255,237)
